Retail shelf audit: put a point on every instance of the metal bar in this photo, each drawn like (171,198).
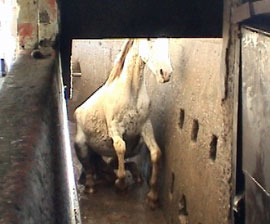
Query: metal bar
(74,210)
(261,7)
(77,74)
(235,137)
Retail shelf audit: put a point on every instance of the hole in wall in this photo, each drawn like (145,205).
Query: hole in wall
(172,183)
(213,147)
(181,118)
(172,186)
(182,214)
(195,130)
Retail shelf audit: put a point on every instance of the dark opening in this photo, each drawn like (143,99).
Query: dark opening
(182,213)
(239,181)
(181,118)
(182,205)
(92,19)
(213,147)
(172,183)
(195,130)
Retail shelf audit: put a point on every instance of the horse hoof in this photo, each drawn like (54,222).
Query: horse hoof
(152,200)
(89,190)
(139,180)
(152,204)
(121,184)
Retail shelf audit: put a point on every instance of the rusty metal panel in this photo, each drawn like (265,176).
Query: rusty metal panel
(256,123)
(257,204)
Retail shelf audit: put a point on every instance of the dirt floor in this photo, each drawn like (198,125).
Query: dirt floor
(108,206)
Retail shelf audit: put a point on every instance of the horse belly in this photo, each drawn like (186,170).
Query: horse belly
(133,122)
(96,133)
(103,147)
(100,142)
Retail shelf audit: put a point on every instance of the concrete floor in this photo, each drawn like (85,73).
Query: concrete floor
(107,206)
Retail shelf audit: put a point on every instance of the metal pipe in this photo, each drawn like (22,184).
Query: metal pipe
(66,154)
(2,67)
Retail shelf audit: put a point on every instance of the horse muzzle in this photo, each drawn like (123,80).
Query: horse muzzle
(164,76)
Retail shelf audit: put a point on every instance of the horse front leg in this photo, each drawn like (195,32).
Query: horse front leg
(130,166)
(155,154)
(120,149)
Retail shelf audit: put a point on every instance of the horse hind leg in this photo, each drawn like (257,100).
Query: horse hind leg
(84,156)
(88,168)
(155,154)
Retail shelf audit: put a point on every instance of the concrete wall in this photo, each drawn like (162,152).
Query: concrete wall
(27,25)
(37,181)
(27,155)
(38,26)
(196,175)
(37,23)
(197,154)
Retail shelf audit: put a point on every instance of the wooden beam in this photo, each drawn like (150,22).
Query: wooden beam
(261,7)
(249,10)
(241,13)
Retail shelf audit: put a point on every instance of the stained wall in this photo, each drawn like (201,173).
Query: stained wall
(38,23)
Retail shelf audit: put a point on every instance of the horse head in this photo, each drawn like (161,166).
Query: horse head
(155,53)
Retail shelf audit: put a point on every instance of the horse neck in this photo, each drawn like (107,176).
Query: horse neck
(133,71)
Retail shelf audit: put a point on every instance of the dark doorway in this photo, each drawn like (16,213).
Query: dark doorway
(89,19)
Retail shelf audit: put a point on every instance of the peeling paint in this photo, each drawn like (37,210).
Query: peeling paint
(44,17)
(25,30)
(53,7)
(38,23)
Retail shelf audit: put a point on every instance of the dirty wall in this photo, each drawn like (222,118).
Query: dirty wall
(197,156)
(37,23)
(188,119)
(37,185)
(27,143)
(37,181)
(27,25)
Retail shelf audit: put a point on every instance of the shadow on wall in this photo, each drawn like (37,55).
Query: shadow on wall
(126,18)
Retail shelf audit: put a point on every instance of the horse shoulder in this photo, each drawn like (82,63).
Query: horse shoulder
(91,110)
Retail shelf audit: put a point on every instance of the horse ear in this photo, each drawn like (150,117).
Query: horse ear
(144,49)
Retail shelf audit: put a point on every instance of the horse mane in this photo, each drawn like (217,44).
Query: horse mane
(120,60)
